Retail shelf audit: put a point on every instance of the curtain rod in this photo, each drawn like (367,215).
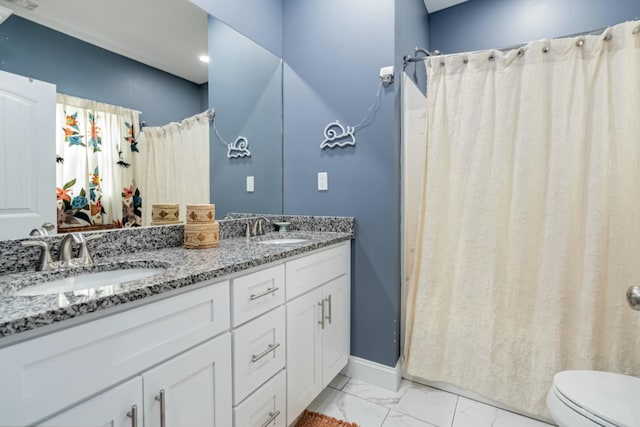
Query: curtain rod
(406,60)
(211,113)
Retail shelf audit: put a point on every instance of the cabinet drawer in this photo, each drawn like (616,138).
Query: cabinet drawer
(267,404)
(44,375)
(306,273)
(257,293)
(258,352)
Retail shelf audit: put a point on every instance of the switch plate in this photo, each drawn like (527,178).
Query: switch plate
(249,184)
(323,181)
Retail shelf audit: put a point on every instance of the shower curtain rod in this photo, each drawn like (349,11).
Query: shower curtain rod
(406,60)
(211,113)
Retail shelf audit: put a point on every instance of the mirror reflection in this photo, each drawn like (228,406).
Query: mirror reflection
(243,84)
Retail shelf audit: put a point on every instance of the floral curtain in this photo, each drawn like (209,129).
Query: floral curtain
(96,146)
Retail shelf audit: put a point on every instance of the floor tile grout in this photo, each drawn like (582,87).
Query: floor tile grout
(455,411)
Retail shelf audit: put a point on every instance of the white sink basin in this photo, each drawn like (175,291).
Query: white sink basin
(281,241)
(88,281)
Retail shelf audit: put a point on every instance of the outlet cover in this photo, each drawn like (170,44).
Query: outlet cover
(250,184)
(323,181)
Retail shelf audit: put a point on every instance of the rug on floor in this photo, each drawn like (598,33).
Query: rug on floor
(314,419)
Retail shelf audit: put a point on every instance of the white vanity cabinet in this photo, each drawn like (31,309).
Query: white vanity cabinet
(310,327)
(164,344)
(318,324)
(251,351)
(189,389)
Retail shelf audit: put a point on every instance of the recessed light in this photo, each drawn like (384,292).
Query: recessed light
(204,58)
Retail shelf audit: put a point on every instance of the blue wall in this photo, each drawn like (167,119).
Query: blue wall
(84,70)
(260,20)
(485,24)
(245,89)
(333,51)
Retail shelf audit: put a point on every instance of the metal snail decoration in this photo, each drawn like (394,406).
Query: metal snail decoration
(238,148)
(336,135)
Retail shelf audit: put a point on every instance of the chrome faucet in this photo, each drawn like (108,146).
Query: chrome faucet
(65,252)
(84,256)
(258,227)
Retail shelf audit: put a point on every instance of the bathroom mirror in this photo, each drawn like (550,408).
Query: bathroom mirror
(243,84)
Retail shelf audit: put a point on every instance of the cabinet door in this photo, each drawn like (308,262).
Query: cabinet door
(335,336)
(192,389)
(28,145)
(304,352)
(111,408)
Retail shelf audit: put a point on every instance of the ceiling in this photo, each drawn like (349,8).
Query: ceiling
(436,5)
(166,34)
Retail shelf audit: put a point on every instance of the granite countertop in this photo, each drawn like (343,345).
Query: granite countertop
(182,267)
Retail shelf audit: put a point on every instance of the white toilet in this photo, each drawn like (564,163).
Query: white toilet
(592,398)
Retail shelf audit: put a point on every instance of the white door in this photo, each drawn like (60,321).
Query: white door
(27,155)
(335,337)
(304,352)
(113,408)
(192,389)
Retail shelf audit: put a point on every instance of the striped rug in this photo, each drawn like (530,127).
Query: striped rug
(314,419)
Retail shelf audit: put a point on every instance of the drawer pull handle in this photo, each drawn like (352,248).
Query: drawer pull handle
(272,418)
(133,414)
(272,347)
(263,294)
(161,399)
(329,317)
(321,322)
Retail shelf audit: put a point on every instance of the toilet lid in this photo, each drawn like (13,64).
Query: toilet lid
(611,397)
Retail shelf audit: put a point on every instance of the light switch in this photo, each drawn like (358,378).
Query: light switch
(249,184)
(323,181)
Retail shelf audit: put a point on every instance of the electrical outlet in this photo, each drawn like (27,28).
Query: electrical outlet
(249,184)
(323,181)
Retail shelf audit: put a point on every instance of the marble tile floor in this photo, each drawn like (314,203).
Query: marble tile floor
(414,405)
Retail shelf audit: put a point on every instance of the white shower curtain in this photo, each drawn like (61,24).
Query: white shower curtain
(529,231)
(175,164)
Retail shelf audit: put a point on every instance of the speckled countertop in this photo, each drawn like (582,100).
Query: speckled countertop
(182,267)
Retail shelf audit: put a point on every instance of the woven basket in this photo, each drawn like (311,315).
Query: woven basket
(201,214)
(201,236)
(166,213)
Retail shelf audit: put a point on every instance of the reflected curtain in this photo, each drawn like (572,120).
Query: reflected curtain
(95,147)
(174,167)
(530,224)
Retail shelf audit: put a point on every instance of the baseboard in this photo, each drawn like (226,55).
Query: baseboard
(382,376)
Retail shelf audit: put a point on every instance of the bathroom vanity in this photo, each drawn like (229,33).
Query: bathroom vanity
(247,335)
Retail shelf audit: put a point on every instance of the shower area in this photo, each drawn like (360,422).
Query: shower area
(521,214)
